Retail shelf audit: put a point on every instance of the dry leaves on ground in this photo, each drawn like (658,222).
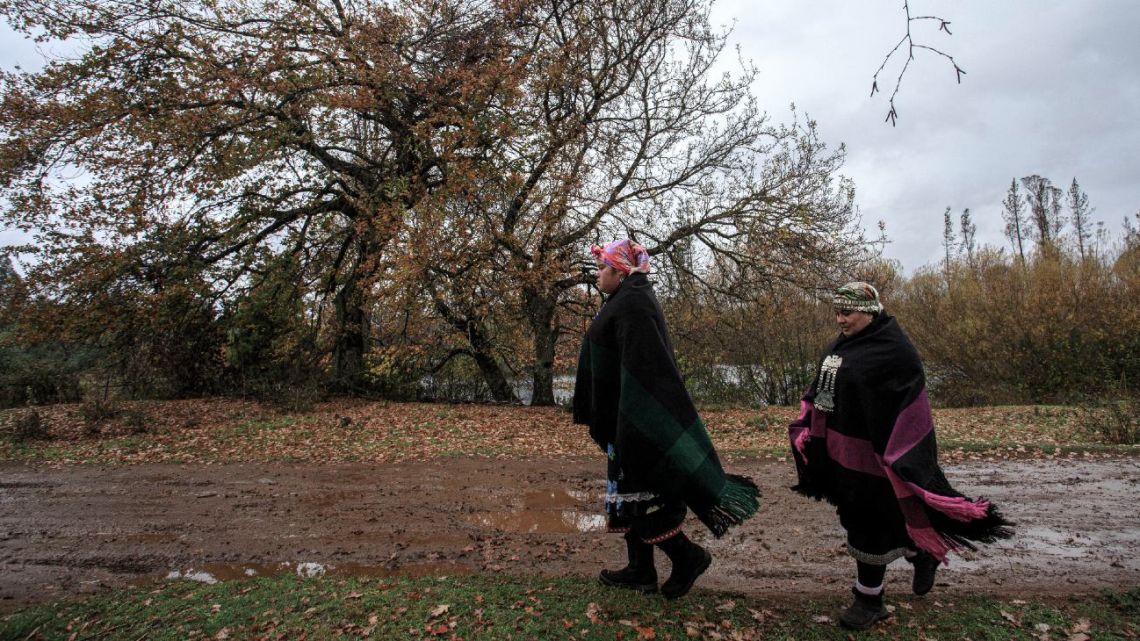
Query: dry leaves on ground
(216,430)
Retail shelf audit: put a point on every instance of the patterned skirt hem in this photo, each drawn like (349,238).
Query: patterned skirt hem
(878,559)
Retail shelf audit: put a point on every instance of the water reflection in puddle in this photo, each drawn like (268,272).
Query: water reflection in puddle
(562,522)
(211,573)
(548,512)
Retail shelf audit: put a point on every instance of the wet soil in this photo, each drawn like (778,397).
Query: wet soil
(81,529)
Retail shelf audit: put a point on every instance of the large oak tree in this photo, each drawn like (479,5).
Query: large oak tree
(456,155)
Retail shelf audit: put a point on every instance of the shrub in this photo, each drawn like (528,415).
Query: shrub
(28,426)
(1115,421)
(135,422)
(98,410)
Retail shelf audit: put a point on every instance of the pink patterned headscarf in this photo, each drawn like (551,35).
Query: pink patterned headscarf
(625,256)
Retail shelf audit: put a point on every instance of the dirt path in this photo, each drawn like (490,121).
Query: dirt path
(82,529)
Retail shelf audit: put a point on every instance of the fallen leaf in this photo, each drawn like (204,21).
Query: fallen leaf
(439,610)
(760,616)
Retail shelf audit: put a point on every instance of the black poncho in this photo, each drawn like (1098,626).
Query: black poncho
(865,437)
(629,391)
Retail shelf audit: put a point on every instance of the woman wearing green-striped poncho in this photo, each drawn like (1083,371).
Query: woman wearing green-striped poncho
(660,459)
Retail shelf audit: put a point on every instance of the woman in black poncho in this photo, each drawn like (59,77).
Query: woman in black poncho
(660,459)
(865,442)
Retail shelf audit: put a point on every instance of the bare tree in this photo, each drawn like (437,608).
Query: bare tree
(1043,201)
(1079,213)
(948,243)
(968,231)
(1013,213)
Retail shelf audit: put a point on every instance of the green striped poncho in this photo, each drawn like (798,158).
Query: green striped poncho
(630,393)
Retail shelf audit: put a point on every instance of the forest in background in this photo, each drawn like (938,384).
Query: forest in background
(396,201)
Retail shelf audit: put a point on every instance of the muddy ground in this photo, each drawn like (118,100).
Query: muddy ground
(81,529)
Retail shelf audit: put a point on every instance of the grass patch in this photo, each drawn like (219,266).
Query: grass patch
(481,607)
(30,454)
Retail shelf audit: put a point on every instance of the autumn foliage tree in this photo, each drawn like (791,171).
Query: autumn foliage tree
(623,130)
(312,128)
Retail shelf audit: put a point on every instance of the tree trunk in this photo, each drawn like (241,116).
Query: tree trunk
(540,313)
(351,340)
(480,350)
(496,380)
(488,365)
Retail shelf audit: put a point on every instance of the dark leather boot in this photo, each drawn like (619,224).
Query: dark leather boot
(689,562)
(864,612)
(640,574)
(925,566)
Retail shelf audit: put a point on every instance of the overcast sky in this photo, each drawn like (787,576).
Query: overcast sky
(1052,87)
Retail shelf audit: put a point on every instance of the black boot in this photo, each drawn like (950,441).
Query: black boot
(640,574)
(864,612)
(689,562)
(924,568)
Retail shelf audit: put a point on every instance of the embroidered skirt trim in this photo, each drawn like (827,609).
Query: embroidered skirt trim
(663,537)
(878,559)
(631,497)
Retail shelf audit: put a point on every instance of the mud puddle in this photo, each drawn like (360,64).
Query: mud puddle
(555,511)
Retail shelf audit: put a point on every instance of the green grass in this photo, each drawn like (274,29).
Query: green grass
(26,452)
(533,608)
